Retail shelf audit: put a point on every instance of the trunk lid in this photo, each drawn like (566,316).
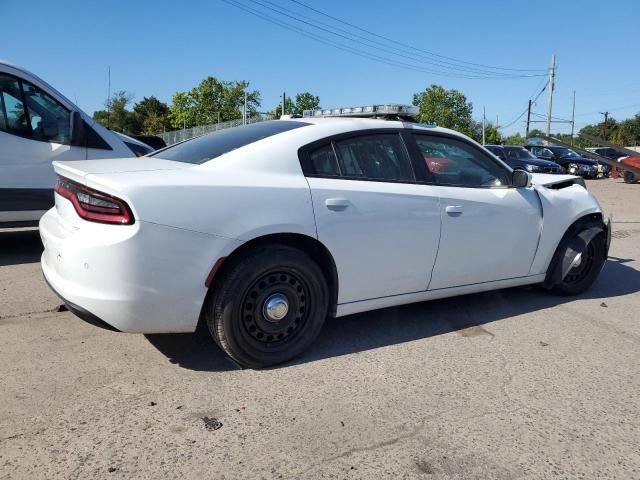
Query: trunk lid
(78,170)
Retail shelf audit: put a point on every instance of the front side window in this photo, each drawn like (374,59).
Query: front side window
(374,157)
(14,117)
(464,165)
(49,121)
(29,112)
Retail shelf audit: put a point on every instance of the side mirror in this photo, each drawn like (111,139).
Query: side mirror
(521,179)
(78,130)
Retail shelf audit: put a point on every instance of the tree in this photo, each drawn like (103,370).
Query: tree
(445,108)
(515,139)
(289,108)
(491,133)
(117,117)
(211,100)
(306,101)
(152,116)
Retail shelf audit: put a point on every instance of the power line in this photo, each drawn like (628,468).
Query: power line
(368,42)
(353,50)
(297,2)
(339,46)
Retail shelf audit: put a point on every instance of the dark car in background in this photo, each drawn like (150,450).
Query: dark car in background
(519,158)
(571,161)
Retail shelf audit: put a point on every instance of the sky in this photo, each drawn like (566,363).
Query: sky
(159,48)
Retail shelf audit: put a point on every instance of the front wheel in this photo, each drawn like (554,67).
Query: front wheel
(578,262)
(268,306)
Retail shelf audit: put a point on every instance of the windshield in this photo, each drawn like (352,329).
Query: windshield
(518,153)
(566,152)
(204,148)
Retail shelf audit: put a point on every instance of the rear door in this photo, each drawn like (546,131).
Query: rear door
(490,230)
(380,222)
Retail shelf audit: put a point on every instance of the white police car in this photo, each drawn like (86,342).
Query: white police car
(262,231)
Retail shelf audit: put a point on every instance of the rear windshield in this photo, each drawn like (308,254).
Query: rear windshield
(204,148)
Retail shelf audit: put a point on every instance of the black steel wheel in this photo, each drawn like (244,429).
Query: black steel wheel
(268,306)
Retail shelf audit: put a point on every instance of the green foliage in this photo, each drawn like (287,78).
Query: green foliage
(211,100)
(152,116)
(289,108)
(515,139)
(491,133)
(306,101)
(117,117)
(625,133)
(445,108)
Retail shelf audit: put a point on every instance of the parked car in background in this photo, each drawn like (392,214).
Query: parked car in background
(571,161)
(37,126)
(263,231)
(629,176)
(518,157)
(607,152)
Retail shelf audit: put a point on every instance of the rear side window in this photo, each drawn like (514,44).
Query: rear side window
(202,149)
(323,162)
(374,157)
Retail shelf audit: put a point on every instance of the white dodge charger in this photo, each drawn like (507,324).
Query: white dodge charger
(262,231)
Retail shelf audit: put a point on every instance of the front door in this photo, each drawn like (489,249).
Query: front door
(490,230)
(35,130)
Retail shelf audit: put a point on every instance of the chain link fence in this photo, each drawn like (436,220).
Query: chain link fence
(181,135)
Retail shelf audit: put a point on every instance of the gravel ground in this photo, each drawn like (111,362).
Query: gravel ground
(507,384)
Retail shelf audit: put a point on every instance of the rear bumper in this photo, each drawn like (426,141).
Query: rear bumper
(142,278)
(81,313)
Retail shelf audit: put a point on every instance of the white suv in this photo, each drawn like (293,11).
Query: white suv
(37,126)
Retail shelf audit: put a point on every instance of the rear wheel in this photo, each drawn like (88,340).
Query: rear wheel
(629,177)
(268,306)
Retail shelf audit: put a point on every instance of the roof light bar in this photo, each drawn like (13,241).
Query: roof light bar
(365,111)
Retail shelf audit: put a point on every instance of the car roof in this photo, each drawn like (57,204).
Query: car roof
(357,123)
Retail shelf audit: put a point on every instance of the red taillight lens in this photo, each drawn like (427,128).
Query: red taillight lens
(93,205)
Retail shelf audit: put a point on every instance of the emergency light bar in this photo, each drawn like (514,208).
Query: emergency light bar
(393,110)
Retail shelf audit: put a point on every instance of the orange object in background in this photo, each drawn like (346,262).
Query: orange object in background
(629,176)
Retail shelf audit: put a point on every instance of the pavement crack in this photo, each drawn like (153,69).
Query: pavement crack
(23,314)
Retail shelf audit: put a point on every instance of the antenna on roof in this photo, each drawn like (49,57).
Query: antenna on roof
(109,97)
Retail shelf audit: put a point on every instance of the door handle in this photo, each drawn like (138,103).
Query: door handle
(337,203)
(454,209)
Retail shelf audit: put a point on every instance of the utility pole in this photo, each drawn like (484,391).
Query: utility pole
(604,126)
(526,133)
(244,114)
(484,140)
(552,77)
(573,116)
(109,98)
(284,101)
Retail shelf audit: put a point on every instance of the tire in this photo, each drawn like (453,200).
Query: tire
(237,315)
(583,275)
(629,177)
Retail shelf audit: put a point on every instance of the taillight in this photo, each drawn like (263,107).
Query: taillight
(93,205)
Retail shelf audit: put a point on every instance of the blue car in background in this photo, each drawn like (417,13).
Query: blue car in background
(519,158)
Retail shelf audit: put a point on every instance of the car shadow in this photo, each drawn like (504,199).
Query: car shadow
(20,246)
(395,325)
